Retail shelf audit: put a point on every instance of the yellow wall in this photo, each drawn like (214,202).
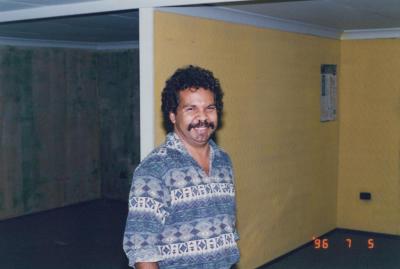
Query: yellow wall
(285,160)
(369,135)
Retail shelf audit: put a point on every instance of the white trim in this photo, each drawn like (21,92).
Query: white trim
(117,45)
(24,42)
(247,18)
(371,33)
(146,63)
(95,6)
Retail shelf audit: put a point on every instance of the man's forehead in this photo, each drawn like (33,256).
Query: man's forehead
(191,98)
(191,93)
(195,88)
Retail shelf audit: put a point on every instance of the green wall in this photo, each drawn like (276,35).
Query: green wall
(119,121)
(68,126)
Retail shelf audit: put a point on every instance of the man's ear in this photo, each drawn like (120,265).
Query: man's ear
(172,117)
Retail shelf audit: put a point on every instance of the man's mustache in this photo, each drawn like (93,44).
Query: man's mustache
(199,124)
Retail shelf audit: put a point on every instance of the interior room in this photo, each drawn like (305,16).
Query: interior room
(80,87)
(70,138)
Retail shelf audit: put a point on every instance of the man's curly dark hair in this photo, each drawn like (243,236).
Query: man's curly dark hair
(185,78)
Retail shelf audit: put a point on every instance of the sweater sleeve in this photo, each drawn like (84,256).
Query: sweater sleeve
(235,232)
(146,217)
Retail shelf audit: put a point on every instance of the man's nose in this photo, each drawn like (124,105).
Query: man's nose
(201,115)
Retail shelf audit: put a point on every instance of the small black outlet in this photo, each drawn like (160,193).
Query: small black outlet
(365,196)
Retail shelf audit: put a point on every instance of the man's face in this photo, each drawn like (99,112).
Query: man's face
(196,116)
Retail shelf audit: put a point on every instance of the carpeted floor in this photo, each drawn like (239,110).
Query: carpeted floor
(89,236)
(345,249)
(83,236)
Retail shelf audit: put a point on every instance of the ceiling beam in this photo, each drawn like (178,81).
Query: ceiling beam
(97,6)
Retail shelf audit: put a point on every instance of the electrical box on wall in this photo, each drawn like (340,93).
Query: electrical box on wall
(365,196)
(328,92)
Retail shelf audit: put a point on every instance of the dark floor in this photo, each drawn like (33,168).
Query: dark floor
(384,253)
(89,236)
(85,236)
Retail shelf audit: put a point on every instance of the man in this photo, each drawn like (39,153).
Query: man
(182,200)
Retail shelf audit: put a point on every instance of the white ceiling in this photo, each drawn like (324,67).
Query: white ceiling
(338,14)
(122,23)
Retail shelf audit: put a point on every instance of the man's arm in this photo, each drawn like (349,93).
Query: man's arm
(146,265)
(146,218)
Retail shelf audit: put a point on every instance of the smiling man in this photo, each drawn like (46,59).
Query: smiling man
(182,209)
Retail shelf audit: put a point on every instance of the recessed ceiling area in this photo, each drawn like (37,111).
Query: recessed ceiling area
(9,5)
(111,27)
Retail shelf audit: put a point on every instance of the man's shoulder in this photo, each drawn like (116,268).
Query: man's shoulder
(157,161)
(220,152)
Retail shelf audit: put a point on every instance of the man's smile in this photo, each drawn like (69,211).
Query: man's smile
(201,125)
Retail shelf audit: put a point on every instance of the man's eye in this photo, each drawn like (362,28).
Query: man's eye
(211,108)
(189,108)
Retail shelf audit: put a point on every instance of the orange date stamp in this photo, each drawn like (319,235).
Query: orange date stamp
(324,243)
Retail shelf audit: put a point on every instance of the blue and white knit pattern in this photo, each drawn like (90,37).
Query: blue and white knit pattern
(178,215)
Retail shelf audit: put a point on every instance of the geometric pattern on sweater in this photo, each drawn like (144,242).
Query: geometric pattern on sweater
(149,205)
(180,178)
(180,216)
(203,191)
(147,187)
(197,229)
(198,247)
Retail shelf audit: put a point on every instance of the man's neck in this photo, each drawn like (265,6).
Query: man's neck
(200,153)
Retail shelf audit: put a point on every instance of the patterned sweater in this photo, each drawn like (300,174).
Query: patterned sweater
(178,215)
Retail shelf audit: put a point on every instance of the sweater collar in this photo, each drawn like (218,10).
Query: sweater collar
(174,142)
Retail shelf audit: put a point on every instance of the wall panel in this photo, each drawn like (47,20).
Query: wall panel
(285,160)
